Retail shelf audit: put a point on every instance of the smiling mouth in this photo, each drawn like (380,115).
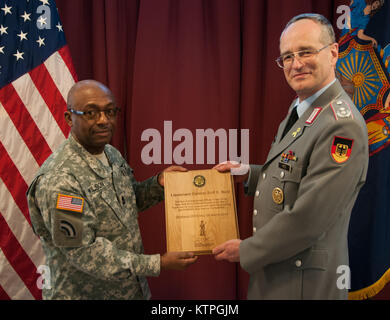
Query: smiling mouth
(299,75)
(105,132)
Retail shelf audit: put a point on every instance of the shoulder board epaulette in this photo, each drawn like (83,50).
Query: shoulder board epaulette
(341,110)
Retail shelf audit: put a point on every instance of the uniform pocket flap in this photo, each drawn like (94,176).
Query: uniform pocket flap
(316,259)
(290,173)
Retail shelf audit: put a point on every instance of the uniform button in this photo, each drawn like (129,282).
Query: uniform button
(282,174)
(339,102)
(257,193)
(298,263)
(254,229)
(264,175)
(255,212)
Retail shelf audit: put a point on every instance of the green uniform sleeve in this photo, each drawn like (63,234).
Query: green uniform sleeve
(148,193)
(75,233)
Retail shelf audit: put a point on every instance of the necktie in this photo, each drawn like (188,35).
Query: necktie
(293,118)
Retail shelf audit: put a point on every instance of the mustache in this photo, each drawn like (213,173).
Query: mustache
(103,128)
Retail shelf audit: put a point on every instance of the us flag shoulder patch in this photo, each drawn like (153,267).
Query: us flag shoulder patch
(341,149)
(70,203)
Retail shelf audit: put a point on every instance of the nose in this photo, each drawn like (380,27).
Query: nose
(297,64)
(102,118)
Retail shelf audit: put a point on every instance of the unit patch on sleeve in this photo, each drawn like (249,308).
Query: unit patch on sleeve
(341,149)
(70,203)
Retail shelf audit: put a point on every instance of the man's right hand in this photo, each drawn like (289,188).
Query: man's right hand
(177,260)
(240,172)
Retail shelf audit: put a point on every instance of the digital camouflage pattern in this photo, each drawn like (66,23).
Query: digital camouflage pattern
(98,253)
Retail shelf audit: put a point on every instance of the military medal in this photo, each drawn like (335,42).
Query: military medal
(277,195)
(341,149)
(286,157)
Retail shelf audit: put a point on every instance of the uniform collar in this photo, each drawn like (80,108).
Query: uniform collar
(305,104)
(92,162)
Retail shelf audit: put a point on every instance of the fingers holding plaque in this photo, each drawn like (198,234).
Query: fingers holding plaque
(200,210)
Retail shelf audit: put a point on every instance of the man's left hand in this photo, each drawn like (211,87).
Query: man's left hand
(230,251)
(169,169)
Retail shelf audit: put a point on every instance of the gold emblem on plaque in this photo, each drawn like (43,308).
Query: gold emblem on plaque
(277,195)
(202,229)
(199,181)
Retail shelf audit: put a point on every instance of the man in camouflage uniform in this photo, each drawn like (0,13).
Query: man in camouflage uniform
(84,204)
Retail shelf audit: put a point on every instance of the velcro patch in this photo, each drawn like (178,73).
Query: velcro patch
(70,203)
(341,149)
(67,230)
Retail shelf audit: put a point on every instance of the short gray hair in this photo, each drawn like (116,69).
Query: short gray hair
(327,28)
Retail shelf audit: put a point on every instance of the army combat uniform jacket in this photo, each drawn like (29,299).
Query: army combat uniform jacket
(86,217)
(303,198)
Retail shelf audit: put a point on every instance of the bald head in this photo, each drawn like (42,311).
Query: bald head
(327,34)
(91,114)
(85,88)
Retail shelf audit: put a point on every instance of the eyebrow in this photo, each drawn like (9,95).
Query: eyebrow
(299,49)
(94,106)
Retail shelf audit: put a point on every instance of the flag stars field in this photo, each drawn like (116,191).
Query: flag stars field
(26,16)
(42,21)
(3,30)
(45,2)
(22,35)
(6,9)
(19,55)
(40,41)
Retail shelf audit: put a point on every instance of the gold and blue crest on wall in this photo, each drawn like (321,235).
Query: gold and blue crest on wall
(364,62)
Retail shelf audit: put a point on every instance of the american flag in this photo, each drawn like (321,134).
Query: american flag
(70,203)
(36,73)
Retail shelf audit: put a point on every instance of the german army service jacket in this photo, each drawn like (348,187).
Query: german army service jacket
(303,197)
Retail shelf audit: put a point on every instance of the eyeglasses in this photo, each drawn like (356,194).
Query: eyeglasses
(94,114)
(287,60)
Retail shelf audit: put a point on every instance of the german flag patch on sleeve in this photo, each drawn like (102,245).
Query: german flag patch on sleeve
(70,203)
(341,149)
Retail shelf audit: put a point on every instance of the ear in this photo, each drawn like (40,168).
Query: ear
(68,118)
(334,49)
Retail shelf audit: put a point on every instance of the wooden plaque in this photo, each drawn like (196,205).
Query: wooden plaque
(200,210)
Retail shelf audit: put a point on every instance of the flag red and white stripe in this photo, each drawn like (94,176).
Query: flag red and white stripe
(28,135)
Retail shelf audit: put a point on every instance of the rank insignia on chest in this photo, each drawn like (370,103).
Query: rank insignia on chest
(341,149)
(70,203)
(286,157)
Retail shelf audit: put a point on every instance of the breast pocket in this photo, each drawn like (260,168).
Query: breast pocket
(126,194)
(105,205)
(284,188)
